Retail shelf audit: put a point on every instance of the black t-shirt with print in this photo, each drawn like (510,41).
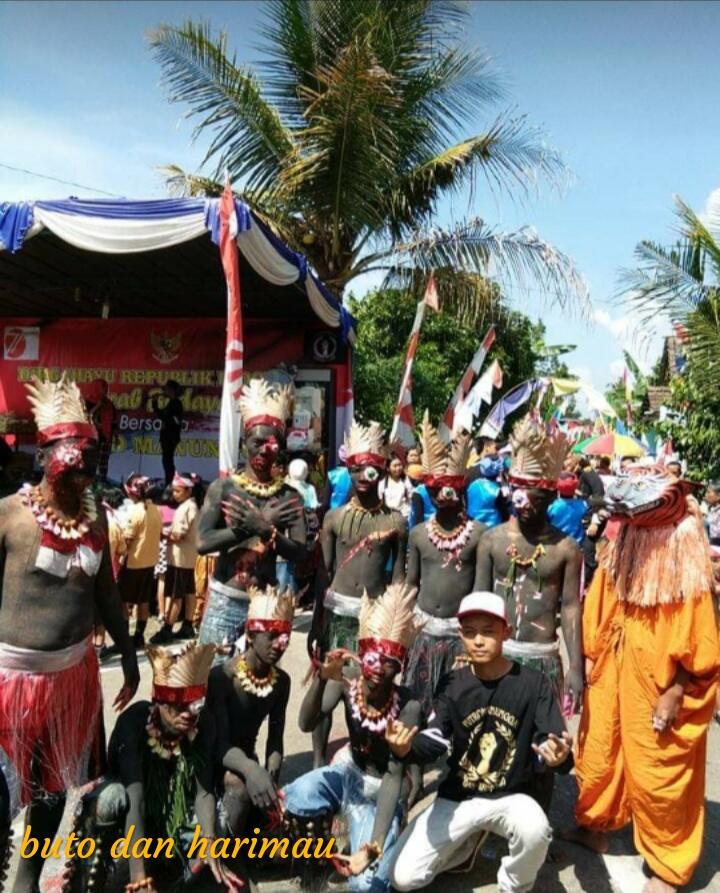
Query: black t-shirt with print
(489,728)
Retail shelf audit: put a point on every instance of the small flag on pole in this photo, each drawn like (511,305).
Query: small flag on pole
(403,426)
(233,378)
(466,382)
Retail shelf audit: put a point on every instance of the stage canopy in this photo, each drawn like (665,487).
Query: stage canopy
(49,265)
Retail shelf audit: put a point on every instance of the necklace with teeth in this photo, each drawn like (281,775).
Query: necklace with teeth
(450,541)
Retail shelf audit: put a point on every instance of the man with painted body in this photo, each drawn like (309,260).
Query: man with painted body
(249,518)
(359,541)
(56,574)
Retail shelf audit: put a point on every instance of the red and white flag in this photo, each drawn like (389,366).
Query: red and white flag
(481,392)
(447,424)
(403,427)
(233,378)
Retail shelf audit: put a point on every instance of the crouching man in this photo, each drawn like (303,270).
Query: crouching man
(501,723)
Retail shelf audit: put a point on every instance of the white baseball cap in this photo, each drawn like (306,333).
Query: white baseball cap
(483,603)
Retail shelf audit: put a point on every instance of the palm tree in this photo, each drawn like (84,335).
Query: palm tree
(350,133)
(681,284)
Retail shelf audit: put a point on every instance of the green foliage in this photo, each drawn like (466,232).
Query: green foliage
(695,427)
(352,129)
(385,319)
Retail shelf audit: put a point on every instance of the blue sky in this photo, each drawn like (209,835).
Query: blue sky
(626,90)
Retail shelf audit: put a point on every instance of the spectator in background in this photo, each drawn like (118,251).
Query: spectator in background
(626,464)
(484,501)
(396,490)
(712,513)
(171,416)
(339,483)
(566,513)
(604,466)
(414,456)
(112,499)
(674,469)
(485,447)
(104,416)
(297,477)
(181,557)
(594,522)
(143,531)
(590,483)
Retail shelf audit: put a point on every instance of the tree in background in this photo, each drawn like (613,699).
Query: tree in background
(352,129)
(385,318)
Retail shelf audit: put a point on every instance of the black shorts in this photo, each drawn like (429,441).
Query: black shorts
(179,581)
(137,585)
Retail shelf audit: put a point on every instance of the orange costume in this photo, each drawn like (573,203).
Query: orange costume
(649,611)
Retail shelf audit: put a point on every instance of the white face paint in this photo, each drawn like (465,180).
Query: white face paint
(520,499)
(448,494)
(371,474)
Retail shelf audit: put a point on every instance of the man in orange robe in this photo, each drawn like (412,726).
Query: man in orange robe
(651,641)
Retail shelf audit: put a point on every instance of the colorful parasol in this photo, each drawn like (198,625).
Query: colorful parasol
(613,444)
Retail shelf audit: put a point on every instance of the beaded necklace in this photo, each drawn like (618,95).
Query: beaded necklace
(450,541)
(159,742)
(260,686)
(373,719)
(258,488)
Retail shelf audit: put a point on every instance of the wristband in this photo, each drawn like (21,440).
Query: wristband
(143,884)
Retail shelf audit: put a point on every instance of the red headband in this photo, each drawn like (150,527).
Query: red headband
(533,484)
(269,421)
(186,694)
(383,646)
(268,626)
(67,429)
(456,481)
(359,459)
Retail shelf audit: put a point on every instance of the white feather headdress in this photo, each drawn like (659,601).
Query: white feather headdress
(269,605)
(389,618)
(185,668)
(538,452)
(59,409)
(264,403)
(365,441)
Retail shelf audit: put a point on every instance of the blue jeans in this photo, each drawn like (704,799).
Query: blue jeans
(224,620)
(285,574)
(339,788)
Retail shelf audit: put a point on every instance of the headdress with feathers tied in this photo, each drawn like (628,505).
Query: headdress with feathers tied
(180,676)
(59,410)
(538,453)
(365,445)
(270,610)
(443,466)
(388,623)
(263,403)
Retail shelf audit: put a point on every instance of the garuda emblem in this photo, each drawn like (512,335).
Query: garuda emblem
(165,346)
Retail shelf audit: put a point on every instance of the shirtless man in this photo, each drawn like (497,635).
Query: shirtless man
(249,518)
(357,542)
(55,573)
(367,786)
(442,558)
(244,692)
(535,567)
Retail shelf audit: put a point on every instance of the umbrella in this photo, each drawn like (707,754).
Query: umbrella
(581,444)
(613,445)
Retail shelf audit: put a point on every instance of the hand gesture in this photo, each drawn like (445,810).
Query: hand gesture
(261,789)
(354,864)
(335,662)
(131,676)
(282,514)
(244,517)
(399,737)
(224,876)
(666,710)
(554,750)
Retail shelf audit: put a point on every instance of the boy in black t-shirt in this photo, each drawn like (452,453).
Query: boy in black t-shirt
(500,723)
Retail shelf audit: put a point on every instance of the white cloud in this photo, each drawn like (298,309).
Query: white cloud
(710,213)
(620,326)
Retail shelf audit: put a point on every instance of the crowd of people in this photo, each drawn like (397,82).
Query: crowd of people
(442,581)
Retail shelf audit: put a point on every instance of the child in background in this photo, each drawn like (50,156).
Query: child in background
(566,513)
(142,530)
(181,556)
(112,500)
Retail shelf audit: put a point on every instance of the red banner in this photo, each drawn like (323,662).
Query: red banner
(136,357)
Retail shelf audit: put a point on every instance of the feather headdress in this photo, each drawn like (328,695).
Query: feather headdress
(365,445)
(388,623)
(262,403)
(180,676)
(59,410)
(538,453)
(441,462)
(270,610)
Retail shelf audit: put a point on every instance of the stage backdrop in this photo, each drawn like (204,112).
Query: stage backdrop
(136,357)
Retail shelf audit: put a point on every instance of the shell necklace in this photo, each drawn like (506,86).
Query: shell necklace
(260,686)
(50,521)
(450,541)
(258,488)
(372,718)
(159,743)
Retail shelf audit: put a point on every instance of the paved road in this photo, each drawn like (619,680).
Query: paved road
(579,872)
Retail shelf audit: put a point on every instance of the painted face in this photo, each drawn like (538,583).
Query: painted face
(378,668)
(531,503)
(365,478)
(179,719)
(70,465)
(444,497)
(263,445)
(269,646)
